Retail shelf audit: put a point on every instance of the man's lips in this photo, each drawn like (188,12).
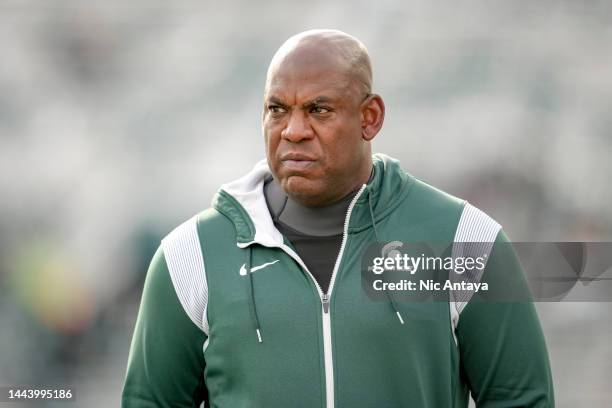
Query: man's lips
(296,161)
(296,156)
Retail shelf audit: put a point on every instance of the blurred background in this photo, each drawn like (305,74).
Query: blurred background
(119,120)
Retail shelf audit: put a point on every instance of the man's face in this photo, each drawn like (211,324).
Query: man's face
(312,128)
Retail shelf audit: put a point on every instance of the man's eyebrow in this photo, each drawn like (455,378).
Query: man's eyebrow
(275,100)
(318,100)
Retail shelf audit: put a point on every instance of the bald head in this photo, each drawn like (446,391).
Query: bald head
(319,116)
(343,52)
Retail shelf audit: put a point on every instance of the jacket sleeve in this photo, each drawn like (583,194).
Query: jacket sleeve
(166,362)
(502,349)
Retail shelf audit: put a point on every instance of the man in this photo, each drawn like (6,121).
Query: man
(257,302)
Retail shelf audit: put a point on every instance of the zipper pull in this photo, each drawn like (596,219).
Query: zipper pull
(325,302)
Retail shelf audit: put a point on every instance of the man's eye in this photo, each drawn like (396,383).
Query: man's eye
(276,109)
(319,109)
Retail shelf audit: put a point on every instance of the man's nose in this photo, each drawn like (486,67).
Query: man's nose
(298,128)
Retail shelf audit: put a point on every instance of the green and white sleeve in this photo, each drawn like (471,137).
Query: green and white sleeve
(166,361)
(502,348)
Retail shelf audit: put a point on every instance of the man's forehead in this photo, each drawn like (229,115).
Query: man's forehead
(317,63)
(312,80)
(309,63)
(301,89)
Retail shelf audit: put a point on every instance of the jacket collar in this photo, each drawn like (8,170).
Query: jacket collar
(244,203)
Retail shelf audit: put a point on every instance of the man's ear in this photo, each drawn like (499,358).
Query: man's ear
(372,116)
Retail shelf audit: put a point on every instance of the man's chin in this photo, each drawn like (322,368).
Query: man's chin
(303,190)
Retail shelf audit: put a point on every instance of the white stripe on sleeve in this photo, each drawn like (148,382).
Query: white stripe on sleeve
(185,261)
(475,236)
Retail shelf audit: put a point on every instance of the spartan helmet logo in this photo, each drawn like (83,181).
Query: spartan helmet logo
(390,250)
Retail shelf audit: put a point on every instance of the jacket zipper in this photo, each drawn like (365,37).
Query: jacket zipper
(325,302)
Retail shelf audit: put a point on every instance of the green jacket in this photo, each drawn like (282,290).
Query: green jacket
(208,329)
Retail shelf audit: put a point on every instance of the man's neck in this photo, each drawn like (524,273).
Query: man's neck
(319,221)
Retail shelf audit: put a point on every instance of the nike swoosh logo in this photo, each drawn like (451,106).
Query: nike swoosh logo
(243,270)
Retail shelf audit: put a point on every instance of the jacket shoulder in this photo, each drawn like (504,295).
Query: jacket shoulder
(184,256)
(208,222)
(430,195)
(184,250)
(214,225)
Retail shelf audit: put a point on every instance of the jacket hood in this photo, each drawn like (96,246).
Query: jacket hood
(244,203)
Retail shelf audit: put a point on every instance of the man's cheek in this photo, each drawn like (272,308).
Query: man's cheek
(271,140)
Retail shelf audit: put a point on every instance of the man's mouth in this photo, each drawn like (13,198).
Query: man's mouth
(297,165)
(297,161)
